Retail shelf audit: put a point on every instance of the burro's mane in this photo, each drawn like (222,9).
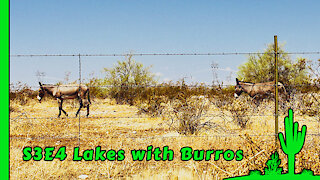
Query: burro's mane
(262,83)
(62,85)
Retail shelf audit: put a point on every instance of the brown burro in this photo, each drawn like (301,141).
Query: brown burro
(259,90)
(62,92)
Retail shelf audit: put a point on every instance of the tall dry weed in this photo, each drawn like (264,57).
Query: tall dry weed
(186,114)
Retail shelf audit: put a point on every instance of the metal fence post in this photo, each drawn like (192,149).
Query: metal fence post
(80,97)
(276,121)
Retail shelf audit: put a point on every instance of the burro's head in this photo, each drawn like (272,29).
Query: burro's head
(238,89)
(41,92)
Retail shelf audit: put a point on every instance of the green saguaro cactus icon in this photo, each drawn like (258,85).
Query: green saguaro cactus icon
(294,140)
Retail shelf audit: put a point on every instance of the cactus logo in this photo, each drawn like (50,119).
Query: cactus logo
(291,142)
(294,141)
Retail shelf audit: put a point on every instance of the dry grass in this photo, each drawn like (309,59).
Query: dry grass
(110,128)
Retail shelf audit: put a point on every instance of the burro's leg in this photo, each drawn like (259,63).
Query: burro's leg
(63,109)
(60,101)
(60,107)
(81,105)
(86,103)
(88,110)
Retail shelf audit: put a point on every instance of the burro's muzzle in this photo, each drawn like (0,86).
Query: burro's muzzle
(235,95)
(39,98)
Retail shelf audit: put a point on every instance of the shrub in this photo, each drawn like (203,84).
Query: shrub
(309,104)
(126,79)
(240,108)
(186,114)
(260,68)
(152,100)
(96,88)
(21,93)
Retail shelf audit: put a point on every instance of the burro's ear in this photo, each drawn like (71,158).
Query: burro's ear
(41,87)
(237,80)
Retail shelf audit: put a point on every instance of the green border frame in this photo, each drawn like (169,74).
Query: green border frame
(4,88)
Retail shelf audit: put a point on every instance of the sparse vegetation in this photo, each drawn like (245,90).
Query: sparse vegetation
(21,93)
(107,129)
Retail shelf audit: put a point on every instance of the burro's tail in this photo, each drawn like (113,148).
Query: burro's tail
(283,91)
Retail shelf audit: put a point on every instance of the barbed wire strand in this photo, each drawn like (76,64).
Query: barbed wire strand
(163,54)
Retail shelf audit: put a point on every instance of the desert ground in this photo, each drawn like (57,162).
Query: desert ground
(116,127)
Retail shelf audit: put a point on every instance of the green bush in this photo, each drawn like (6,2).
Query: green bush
(260,68)
(127,79)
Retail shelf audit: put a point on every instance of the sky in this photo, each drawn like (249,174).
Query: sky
(149,26)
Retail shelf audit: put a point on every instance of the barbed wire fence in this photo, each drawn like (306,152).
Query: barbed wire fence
(29,116)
